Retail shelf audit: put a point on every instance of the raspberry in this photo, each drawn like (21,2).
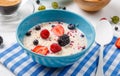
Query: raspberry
(45,34)
(55,48)
(63,40)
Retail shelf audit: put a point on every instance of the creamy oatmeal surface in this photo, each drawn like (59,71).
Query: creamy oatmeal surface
(55,39)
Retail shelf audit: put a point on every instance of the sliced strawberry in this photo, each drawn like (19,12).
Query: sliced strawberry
(45,34)
(41,50)
(55,48)
(58,30)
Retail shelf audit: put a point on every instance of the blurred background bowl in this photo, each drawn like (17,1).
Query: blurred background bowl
(61,1)
(61,16)
(92,5)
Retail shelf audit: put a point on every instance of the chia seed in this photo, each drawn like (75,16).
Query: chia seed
(53,25)
(59,22)
(83,47)
(82,35)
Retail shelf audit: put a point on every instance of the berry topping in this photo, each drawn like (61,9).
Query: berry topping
(37,27)
(82,35)
(1,40)
(45,34)
(58,30)
(55,5)
(64,40)
(71,26)
(41,7)
(28,33)
(35,42)
(55,48)
(41,50)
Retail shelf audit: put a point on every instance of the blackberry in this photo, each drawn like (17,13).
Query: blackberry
(1,40)
(35,42)
(63,40)
(37,27)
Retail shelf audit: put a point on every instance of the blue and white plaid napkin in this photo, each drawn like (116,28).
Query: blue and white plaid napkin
(21,64)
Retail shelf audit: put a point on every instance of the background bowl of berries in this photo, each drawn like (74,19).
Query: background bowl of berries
(55,38)
(92,5)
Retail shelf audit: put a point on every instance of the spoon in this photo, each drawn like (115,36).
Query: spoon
(104,35)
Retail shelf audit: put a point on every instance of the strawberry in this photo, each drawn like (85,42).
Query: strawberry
(41,50)
(58,30)
(55,47)
(45,34)
(117,43)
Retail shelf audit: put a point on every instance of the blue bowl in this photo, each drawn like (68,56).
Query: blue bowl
(55,15)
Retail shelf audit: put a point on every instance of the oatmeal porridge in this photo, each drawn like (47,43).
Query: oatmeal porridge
(55,39)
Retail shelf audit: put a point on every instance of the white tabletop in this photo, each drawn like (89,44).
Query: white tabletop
(110,10)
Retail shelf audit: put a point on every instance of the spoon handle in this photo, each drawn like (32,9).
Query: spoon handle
(100,63)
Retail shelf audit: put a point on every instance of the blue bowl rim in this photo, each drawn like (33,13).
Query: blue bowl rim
(92,28)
